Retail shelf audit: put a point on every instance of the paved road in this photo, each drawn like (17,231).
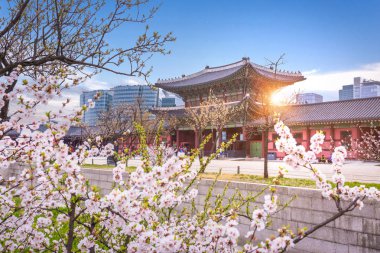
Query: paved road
(353,170)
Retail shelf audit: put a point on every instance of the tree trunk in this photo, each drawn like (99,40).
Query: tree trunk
(70,234)
(265,153)
(201,153)
(218,138)
(5,108)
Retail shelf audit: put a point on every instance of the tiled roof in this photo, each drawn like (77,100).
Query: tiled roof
(180,111)
(208,75)
(354,110)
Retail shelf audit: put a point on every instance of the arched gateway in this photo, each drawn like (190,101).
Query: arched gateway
(232,83)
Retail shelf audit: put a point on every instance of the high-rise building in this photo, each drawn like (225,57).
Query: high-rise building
(130,93)
(123,94)
(308,98)
(91,116)
(347,92)
(360,89)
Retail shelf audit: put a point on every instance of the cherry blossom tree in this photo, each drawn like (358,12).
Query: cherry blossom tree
(46,36)
(368,146)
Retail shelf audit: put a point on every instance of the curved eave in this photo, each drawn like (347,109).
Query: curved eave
(279,78)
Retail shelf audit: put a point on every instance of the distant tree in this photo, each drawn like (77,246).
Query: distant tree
(49,37)
(198,118)
(171,124)
(221,113)
(214,113)
(368,146)
(119,123)
(265,114)
(264,110)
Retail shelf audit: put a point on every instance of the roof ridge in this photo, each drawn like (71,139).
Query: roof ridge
(207,69)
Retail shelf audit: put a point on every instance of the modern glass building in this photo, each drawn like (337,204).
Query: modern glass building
(130,93)
(347,92)
(360,89)
(102,104)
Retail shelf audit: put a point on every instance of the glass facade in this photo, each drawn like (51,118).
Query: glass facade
(347,92)
(102,104)
(370,90)
(360,89)
(130,93)
(116,96)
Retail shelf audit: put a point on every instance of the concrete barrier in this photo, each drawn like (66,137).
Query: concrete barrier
(356,232)
(96,160)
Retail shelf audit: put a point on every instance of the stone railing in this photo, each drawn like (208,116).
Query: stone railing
(355,232)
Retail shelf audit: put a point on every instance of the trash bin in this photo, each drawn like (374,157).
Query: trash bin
(111,161)
(272,156)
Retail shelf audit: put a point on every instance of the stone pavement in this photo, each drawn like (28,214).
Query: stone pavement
(366,172)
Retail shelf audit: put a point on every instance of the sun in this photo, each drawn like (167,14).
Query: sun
(277,98)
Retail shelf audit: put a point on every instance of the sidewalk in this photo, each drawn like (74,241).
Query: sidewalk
(366,172)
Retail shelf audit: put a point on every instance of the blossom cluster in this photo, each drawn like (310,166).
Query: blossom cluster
(298,156)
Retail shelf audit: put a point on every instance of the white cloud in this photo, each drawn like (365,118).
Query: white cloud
(90,84)
(131,81)
(329,82)
(94,84)
(310,72)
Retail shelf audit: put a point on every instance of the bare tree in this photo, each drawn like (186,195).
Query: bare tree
(119,124)
(221,113)
(264,110)
(198,118)
(45,37)
(274,64)
(265,114)
(214,113)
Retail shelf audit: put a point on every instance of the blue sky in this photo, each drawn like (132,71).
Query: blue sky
(331,41)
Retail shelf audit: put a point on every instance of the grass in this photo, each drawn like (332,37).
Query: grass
(106,166)
(295,182)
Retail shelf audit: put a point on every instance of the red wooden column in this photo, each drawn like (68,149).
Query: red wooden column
(308,137)
(358,132)
(332,130)
(356,141)
(177,138)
